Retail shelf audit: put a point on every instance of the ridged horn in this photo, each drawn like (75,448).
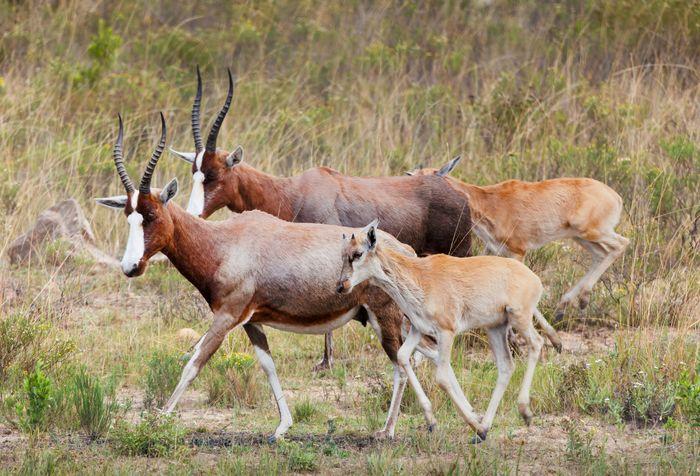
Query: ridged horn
(196,124)
(145,187)
(119,159)
(214,133)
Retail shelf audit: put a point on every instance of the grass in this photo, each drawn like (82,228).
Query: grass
(527,90)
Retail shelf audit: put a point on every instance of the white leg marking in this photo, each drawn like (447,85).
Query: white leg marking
(188,374)
(268,366)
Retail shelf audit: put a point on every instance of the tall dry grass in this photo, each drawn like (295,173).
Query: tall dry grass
(528,90)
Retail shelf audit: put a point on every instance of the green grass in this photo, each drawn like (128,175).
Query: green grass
(527,90)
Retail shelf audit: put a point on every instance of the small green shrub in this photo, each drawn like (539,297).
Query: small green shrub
(383,463)
(102,51)
(300,457)
(94,403)
(154,436)
(304,411)
(38,391)
(689,395)
(581,450)
(27,337)
(232,378)
(37,461)
(162,375)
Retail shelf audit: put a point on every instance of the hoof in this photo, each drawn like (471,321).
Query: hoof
(558,316)
(583,301)
(558,347)
(432,427)
(382,435)
(321,366)
(479,438)
(526,413)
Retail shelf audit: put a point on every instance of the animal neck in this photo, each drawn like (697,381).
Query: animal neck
(479,199)
(400,279)
(256,190)
(194,251)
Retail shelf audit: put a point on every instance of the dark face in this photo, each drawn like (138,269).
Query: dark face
(150,230)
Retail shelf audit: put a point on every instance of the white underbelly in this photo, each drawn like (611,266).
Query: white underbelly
(302,328)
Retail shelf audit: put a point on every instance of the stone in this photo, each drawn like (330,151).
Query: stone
(64,221)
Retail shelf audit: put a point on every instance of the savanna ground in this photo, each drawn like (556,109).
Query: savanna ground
(527,90)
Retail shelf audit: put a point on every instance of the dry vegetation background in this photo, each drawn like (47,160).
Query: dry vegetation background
(529,90)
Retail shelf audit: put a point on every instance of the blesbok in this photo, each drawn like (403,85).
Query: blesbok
(444,296)
(513,217)
(253,270)
(427,215)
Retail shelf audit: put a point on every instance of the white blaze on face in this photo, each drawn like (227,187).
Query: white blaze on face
(196,204)
(135,245)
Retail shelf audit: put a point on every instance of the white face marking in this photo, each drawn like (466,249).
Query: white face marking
(135,245)
(196,204)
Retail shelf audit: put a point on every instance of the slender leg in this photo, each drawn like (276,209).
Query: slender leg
(504,363)
(262,351)
(604,251)
(403,358)
(203,350)
(327,361)
(446,382)
(548,330)
(396,397)
(534,342)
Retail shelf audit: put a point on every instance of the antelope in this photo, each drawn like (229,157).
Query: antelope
(513,217)
(444,296)
(253,270)
(427,215)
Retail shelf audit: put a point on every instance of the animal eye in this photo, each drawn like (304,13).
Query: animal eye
(356,256)
(150,216)
(209,177)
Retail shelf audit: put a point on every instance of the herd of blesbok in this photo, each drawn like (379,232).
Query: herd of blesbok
(292,257)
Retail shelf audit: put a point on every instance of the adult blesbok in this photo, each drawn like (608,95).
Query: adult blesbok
(513,217)
(427,215)
(253,270)
(444,296)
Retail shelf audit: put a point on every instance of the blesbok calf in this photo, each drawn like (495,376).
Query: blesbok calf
(253,270)
(444,296)
(423,212)
(513,217)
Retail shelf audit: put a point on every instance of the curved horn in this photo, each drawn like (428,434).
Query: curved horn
(196,125)
(214,133)
(119,159)
(145,187)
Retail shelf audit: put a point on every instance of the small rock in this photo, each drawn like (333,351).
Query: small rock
(187,336)
(9,291)
(64,221)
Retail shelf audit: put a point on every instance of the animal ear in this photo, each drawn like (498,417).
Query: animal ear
(448,167)
(235,157)
(186,156)
(169,192)
(118,201)
(371,231)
